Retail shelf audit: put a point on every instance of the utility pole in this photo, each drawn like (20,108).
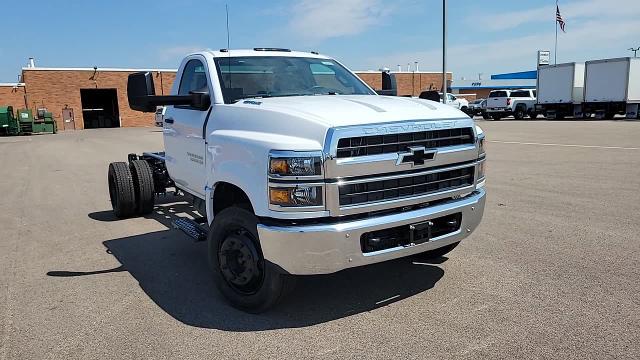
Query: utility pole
(444,51)
(635,51)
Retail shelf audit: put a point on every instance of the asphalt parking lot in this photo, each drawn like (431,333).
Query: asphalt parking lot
(552,272)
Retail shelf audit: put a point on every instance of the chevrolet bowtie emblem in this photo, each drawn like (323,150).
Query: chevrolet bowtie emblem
(416,155)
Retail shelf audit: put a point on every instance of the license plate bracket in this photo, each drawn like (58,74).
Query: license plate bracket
(420,232)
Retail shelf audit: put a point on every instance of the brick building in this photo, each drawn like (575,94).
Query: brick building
(12,94)
(96,97)
(82,98)
(409,83)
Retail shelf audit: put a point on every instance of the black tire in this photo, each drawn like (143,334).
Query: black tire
(242,275)
(121,190)
(486,116)
(496,117)
(519,113)
(609,115)
(533,115)
(143,185)
(586,115)
(436,253)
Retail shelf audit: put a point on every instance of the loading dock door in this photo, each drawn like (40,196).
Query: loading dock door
(100,108)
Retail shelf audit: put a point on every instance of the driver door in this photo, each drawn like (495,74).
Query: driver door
(183,131)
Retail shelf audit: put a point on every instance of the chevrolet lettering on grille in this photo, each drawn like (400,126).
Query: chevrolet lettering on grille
(416,155)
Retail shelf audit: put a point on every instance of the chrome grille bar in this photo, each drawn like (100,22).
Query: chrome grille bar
(390,143)
(407,186)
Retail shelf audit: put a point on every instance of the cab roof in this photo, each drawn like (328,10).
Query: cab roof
(264,52)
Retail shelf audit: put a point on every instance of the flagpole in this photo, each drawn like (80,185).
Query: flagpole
(555,52)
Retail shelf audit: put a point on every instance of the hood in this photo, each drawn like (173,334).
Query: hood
(346,110)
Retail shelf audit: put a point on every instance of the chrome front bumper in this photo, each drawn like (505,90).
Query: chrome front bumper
(327,248)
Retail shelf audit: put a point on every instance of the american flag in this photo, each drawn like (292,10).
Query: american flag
(559,18)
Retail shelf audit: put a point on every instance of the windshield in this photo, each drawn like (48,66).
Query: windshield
(275,76)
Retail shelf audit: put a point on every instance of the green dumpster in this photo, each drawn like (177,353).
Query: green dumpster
(50,124)
(25,119)
(8,122)
(44,122)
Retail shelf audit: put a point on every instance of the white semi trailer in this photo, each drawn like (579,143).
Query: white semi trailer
(612,86)
(561,91)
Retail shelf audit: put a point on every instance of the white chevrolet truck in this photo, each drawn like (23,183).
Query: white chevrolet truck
(298,168)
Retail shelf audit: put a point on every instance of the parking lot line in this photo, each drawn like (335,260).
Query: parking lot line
(566,145)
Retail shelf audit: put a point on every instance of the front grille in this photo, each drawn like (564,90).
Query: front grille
(391,143)
(381,190)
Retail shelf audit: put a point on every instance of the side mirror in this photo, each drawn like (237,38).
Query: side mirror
(141,94)
(430,95)
(389,86)
(200,100)
(139,88)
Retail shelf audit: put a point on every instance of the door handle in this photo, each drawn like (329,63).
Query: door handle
(168,120)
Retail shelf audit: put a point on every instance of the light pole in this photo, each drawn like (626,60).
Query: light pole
(444,51)
(635,51)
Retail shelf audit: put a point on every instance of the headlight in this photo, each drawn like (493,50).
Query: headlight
(481,170)
(296,196)
(480,133)
(289,164)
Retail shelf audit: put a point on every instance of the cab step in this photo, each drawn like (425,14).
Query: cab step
(192,227)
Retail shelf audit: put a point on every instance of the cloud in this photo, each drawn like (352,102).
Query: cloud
(320,20)
(176,53)
(513,54)
(570,12)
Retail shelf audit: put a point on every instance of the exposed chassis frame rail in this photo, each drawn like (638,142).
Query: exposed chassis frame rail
(156,160)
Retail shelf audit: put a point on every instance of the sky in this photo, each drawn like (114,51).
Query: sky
(488,37)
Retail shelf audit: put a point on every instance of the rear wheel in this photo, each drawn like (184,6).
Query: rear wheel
(241,273)
(519,113)
(143,184)
(486,116)
(121,190)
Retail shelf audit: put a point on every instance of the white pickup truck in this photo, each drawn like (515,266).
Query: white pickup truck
(298,167)
(519,103)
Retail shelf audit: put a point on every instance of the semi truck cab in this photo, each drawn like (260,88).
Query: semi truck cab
(299,167)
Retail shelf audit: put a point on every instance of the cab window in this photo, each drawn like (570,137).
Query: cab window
(499,93)
(194,78)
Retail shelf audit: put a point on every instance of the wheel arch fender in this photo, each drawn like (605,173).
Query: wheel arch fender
(241,159)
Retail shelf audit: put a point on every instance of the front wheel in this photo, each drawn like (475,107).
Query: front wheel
(246,280)
(486,116)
